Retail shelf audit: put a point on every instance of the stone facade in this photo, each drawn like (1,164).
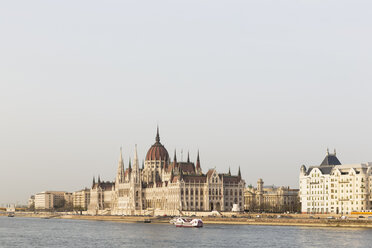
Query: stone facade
(165,187)
(270,199)
(335,188)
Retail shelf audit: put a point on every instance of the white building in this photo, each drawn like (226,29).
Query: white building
(81,199)
(335,188)
(52,199)
(44,200)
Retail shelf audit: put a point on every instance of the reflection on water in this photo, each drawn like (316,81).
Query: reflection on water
(29,232)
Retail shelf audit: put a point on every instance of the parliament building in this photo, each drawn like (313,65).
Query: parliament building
(165,187)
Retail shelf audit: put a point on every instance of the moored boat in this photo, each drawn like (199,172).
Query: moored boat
(183,222)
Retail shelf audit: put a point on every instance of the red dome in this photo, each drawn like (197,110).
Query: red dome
(157,150)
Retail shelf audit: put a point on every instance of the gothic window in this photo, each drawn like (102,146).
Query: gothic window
(209,191)
(192,192)
(196,191)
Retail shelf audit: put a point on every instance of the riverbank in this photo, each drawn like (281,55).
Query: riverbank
(301,220)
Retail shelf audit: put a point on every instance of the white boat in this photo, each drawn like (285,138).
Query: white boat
(183,222)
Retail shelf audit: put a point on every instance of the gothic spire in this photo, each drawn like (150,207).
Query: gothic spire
(188,157)
(198,162)
(143,165)
(120,174)
(175,157)
(239,173)
(229,171)
(121,156)
(94,181)
(99,179)
(157,139)
(130,164)
(135,161)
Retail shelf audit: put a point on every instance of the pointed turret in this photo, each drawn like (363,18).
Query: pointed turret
(157,139)
(330,159)
(188,157)
(120,174)
(229,171)
(135,161)
(175,157)
(99,179)
(239,173)
(130,165)
(143,164)
(94,182)
(198,168)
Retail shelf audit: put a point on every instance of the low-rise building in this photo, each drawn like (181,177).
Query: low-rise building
(52,199)
(270,198)
(81,199)
(44,200)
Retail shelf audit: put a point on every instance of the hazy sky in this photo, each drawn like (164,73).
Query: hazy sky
(267,85)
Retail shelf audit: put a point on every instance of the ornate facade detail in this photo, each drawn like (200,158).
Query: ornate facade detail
(167,187)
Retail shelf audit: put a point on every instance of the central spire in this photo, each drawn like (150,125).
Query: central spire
(157,139)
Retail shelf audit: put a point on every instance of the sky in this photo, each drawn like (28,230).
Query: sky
(264,85)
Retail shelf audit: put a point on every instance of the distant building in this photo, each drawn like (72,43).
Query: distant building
(52,199)
(335,188)
(81,199)
(164,187)
(31,202)
(270,198)
(44,200)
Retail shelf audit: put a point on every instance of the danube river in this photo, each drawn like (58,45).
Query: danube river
(34,232)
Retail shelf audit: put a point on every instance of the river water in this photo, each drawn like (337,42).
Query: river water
(34,232)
